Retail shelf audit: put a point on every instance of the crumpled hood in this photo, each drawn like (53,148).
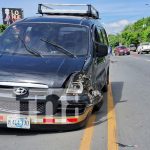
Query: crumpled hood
(52,71)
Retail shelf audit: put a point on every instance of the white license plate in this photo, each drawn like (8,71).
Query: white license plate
(21,122)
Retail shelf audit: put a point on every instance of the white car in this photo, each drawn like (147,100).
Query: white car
(143,47)
(132,47)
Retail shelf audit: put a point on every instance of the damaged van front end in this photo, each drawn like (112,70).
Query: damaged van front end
(36,106)
(52,70)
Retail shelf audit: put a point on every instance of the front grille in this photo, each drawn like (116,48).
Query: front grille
(71,109)
(39,108)
(18,107)
(35,103)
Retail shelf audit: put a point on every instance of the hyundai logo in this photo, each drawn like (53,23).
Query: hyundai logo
(20,91)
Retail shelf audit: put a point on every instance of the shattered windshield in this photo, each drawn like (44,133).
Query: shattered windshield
(72,38)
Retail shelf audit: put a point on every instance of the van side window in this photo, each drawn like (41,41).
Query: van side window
(104,36)
(101,36)
(96,35)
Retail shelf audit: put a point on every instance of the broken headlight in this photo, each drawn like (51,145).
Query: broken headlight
(75,84)
(75,88)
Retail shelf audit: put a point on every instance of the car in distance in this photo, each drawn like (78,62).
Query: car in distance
(132,47)
(143,48)
(121,50)
(54,70)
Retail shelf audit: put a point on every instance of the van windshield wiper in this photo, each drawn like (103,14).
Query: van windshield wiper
(29,49)
(60,48)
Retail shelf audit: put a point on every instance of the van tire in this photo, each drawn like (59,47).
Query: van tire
(98,106)
(105,87)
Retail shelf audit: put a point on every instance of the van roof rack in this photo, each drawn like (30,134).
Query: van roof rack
(86,10)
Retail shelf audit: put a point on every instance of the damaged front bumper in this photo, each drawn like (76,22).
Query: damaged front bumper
(70,112)
(47,122)
(46,108)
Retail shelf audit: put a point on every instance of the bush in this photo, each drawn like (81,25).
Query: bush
(2,27)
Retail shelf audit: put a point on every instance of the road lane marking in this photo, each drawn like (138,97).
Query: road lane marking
(88,134)
(112,130)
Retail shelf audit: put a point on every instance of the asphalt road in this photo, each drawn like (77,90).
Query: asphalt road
(130,84)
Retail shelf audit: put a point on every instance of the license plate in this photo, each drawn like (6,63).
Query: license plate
(21,122)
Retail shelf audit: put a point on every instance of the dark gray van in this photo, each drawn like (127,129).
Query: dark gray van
(54,69)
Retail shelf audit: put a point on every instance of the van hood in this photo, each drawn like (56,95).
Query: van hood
(52,71)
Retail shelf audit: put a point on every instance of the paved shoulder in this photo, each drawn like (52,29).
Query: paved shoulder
(130,84)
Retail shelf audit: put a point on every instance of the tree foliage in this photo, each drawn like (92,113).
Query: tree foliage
(133,34)
(113,40)
(2,27)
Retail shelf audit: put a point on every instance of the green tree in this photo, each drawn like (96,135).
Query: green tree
(133,34)
(113,40)
(2,27)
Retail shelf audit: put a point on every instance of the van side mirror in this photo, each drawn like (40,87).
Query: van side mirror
(102,50)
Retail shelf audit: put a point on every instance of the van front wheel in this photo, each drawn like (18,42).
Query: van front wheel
(98,106)
(105,87)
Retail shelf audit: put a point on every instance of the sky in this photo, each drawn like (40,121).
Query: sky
(115,14)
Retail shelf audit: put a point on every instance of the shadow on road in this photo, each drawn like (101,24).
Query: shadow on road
(6,131)
(21,132)
(117,88)
(101,116)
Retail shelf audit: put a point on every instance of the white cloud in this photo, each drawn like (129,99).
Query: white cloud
(116,27)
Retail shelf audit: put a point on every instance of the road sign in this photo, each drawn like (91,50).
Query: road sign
(11,15)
